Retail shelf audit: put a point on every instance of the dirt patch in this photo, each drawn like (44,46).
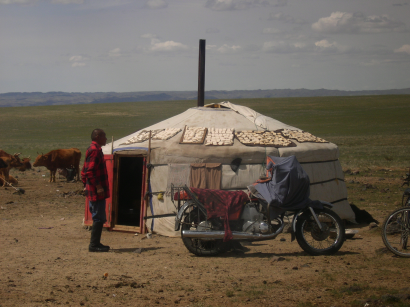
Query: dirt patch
(44,260)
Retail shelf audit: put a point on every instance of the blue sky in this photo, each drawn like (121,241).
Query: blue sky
(122,45)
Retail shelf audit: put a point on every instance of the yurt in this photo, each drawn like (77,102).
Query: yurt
(218,146)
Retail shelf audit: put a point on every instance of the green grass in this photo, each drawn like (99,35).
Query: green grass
(371,131)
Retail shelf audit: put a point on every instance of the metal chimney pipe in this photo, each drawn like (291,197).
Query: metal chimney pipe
(201,73)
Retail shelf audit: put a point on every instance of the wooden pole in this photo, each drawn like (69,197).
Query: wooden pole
(147,179)
(201,73)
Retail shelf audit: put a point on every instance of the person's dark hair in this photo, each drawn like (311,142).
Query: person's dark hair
(95,133)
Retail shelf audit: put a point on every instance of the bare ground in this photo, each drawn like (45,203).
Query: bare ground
(44,261)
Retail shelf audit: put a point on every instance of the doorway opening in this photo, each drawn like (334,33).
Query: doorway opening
(130,183)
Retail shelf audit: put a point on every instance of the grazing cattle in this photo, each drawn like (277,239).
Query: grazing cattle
(26,164)
(11,161)
(60,158)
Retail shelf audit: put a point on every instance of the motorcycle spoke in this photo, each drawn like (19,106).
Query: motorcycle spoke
(319,244)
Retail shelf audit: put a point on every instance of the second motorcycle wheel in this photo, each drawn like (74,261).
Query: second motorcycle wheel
(196,220)
(316,241)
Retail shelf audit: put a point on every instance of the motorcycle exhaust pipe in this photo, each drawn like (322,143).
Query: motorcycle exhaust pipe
(215,235)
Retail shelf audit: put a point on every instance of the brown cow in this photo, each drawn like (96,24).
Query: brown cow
(26,164)
(60,158)
(12,180)
(3,163)
(11,161)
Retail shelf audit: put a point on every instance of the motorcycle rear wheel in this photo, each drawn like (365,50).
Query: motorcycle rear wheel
(199,247)
(319,242)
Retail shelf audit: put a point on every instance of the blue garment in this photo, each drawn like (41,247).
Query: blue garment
(289,188)
(97,209)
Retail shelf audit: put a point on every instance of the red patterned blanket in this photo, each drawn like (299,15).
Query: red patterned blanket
(224,204)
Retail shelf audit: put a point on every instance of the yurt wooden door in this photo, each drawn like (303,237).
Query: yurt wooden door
(128,193)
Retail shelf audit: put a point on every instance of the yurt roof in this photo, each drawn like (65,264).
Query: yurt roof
(221,115)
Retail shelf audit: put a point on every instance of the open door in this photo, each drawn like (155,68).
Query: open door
(128,193)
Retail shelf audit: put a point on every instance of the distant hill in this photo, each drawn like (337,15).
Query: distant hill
(19,99)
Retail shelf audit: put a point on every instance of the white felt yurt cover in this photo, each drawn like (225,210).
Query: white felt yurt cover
(319,160)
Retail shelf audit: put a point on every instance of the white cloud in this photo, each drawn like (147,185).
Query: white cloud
(115,52)
(156,4)
(76,58)
(233,5)
(284,47)
(76,64)
(228,49)
(168,46)
(342,22)
(404,48)
(77,61)
(224,49)
(286,18)
(325,44)
(210,47)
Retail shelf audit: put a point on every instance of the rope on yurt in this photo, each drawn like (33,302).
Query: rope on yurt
(266,153)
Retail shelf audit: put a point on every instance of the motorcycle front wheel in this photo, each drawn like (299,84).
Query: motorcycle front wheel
(316,241)
(196,220)
(396,231)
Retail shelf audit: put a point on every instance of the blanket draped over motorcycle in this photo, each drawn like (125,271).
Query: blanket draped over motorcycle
(209,218)
(222,204)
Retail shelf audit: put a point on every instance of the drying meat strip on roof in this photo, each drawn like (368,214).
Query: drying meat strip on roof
(302,136)
(166,134)
(142,136)
(193,135)
(219,136)
(263,138)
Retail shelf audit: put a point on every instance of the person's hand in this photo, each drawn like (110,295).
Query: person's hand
(100,190)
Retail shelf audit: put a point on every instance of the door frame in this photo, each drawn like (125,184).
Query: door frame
(114,211)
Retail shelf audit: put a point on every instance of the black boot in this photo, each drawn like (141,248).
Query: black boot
(99,239)
(95,245)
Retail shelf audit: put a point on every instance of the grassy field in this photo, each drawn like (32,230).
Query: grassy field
(371,131)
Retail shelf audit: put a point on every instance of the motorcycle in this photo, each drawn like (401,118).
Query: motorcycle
(210,219)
